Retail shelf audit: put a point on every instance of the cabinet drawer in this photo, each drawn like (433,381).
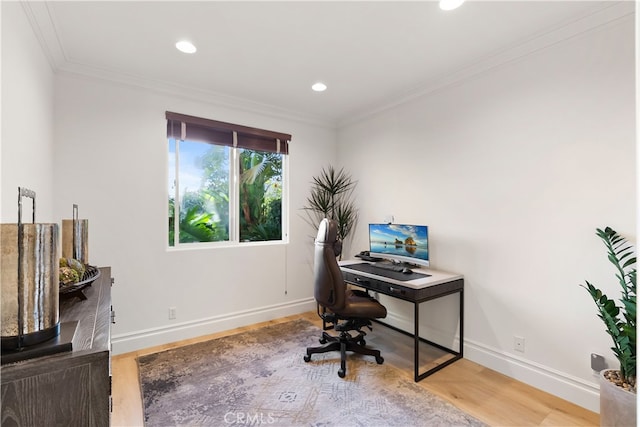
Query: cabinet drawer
(380,286)
(403,292)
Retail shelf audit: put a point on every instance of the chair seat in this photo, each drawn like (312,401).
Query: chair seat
(357,305)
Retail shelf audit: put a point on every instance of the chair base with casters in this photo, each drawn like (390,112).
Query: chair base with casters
(345,341)
(346,309)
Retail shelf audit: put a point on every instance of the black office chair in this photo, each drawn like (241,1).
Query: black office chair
(346,310)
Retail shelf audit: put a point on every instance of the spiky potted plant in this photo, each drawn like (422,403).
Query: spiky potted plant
(331,197)
(618,387)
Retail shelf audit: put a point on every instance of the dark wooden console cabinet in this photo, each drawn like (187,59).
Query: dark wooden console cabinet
(71,388)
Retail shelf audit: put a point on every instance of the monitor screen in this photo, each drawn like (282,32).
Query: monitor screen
(400,242)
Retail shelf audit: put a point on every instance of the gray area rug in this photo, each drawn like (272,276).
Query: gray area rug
(259,378)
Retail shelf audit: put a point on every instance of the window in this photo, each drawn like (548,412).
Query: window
(226,182)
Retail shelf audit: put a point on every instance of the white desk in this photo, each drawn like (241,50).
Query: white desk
(431,285)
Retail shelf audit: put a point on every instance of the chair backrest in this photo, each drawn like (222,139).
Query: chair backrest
(329,286)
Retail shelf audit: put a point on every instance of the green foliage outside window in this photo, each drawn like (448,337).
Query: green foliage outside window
(204,213)
(260,196)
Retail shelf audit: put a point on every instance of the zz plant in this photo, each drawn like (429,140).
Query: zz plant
(620,321)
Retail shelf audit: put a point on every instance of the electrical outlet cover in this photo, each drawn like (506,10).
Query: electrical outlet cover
(597,362)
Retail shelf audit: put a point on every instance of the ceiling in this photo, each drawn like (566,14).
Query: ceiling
(266,55)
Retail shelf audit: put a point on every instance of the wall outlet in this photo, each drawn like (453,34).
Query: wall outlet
(518,344)
(597,362)
(172,313)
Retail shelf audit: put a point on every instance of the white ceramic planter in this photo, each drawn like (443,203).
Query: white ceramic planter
(618,407)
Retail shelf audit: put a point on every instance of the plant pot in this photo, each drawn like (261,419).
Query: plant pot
(617,406)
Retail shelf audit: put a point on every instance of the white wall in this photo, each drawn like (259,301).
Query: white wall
(513,170)
(111,159)
(26,143)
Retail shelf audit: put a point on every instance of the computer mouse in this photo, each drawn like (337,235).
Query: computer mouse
(406,271)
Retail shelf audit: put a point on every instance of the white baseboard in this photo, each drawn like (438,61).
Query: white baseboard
(435,335)
(137,340)
(573,389)
(576,390)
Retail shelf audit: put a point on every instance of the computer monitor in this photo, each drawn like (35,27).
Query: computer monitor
(400,242)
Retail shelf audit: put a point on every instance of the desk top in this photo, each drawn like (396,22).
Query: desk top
(435,277)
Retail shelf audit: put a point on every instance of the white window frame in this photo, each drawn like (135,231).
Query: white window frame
(234,206)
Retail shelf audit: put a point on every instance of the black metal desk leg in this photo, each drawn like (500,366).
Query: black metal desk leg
(461,322)
(416,340)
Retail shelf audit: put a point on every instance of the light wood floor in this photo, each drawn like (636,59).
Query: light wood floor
(487,395)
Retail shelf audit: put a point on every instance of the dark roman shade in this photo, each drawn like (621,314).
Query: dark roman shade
(181,127)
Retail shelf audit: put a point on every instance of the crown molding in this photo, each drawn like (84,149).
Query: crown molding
(41,20)
(190,93)
(611,14)
(43,23)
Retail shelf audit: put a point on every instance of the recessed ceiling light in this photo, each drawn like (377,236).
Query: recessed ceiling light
(450,4)
(319,87)
(185,46)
